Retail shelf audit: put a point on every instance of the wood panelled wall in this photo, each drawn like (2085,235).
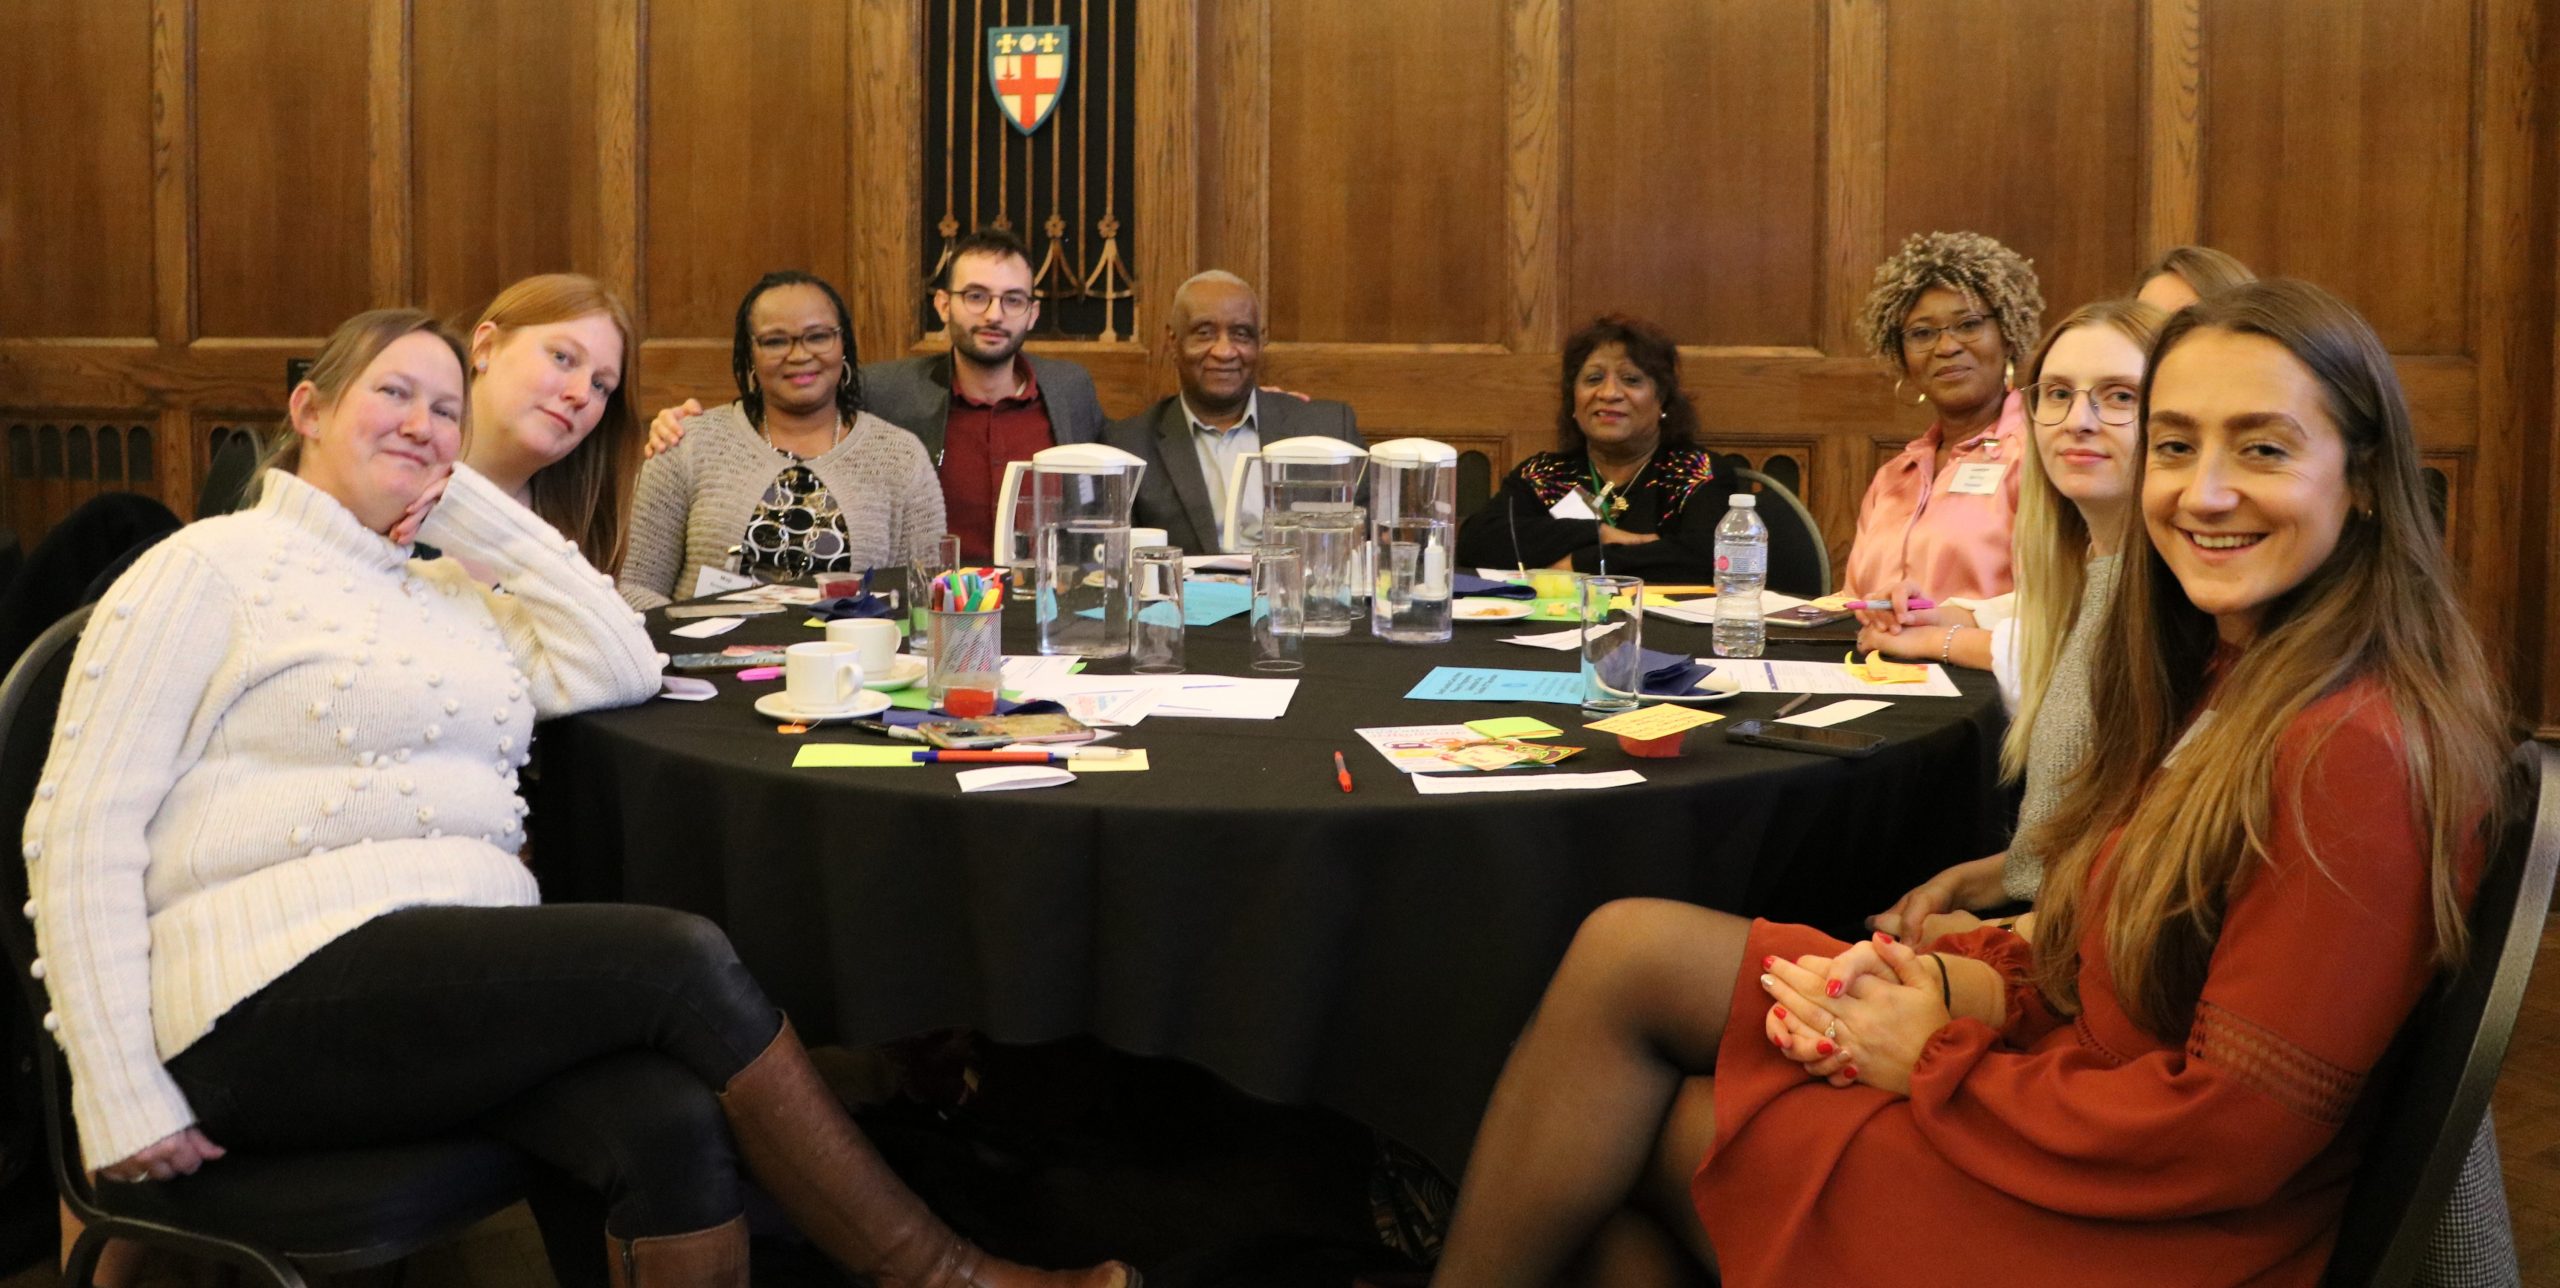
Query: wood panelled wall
(1433,194)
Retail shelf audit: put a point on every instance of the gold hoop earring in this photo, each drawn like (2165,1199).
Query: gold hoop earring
(751,382)
(848,372)
(2009,372)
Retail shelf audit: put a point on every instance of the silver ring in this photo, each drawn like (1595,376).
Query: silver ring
(1831,1031)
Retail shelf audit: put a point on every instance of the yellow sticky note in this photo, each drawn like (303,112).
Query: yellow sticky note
(1667,591)
(1831,603)
(1654,722)
(816,623)
(1514,727)
(840,755)
(1134,761)
(1876,670)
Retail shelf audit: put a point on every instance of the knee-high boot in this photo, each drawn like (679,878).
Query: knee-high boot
(713,1258)
(794,1136)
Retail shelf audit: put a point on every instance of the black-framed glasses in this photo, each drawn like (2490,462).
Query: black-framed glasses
(816,340)
(2050,403)
(1921,339)
(979,297)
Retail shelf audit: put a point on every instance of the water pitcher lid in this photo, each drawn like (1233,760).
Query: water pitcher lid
(1084,458)
(1312,449)
(1414,451)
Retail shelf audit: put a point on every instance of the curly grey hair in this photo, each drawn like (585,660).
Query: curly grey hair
(1993,276)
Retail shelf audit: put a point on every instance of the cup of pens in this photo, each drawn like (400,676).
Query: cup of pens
(964,620)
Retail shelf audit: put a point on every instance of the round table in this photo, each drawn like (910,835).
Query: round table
(1375,951)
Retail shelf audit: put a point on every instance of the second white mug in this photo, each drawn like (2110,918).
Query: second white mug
(875,638)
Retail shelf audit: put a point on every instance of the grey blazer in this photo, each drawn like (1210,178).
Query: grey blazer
(914,394)
(1173,496)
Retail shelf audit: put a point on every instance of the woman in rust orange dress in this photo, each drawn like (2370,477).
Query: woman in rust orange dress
(2259,871)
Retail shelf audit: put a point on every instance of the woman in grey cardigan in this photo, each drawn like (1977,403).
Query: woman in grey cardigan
(793,478)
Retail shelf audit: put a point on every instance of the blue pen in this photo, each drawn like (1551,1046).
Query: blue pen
(1773,676)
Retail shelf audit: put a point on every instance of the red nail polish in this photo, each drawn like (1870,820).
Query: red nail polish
(1831,989)
(1823,1048)
(1779,1011)
(1883,938)
(1778,1042)
(1849,1071)
(1767,962)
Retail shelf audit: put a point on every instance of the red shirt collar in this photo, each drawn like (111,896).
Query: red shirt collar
(1030,390)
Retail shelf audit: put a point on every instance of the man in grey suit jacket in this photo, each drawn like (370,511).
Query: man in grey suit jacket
(1191,440)
(983,401)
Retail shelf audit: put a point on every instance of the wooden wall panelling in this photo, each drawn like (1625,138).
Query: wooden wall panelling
(1235,133)
(387,103)
(52,459)
(506,159)
(1853,167)
(1697,181)
(748,149)
(2040,149)
(75,144)
(1537,119)
(173,168)
(613,125)
(1388,170)
(283,185)
(1166,223)
(2340,149)
(2172,125)
(886,51)
(2505,325)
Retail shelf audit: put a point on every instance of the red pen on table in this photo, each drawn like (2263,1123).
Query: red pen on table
(1886,605)
(1341,772)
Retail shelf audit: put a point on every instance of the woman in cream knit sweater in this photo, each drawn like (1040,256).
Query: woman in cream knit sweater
(277,895)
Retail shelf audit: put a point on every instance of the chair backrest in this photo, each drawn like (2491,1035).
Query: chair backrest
(1779,505)
(28,699)
(2448,1054)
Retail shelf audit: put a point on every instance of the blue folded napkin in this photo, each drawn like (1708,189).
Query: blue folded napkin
(847,607)
(1467,583)
(1675,673)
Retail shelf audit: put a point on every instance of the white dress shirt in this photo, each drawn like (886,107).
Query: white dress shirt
(1219,450)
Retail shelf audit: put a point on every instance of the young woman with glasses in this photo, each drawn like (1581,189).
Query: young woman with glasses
(793,478)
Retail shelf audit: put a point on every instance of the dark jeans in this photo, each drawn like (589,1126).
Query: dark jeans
(593,1036)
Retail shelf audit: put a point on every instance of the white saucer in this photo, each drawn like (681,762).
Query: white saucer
(1485,608)
(904,669)
(1719,687)
(777,706)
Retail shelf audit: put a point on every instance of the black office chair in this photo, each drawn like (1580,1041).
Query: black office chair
(275,1216)
(227,474)
(2444,1065)
(1799,564)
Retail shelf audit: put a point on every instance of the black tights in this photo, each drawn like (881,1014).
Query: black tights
(594,1037)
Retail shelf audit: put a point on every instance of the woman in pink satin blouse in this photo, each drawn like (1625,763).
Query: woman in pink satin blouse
(1949,314)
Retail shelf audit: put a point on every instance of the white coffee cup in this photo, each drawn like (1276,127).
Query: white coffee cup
(1140,538)
(821,676)
(875,637)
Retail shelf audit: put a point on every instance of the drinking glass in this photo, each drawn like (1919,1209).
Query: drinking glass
(1612,660)
(1329,542)
(920,575)
(1083,605)
(1279,607)
(1155,633)
(1412,603)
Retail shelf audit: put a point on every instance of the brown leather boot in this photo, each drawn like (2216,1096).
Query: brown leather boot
(713,1258)
(793,1134)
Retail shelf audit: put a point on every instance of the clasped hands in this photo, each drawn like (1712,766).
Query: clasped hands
(1861,1017)
(179,1153)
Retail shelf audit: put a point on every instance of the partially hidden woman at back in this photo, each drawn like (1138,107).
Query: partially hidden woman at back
(2254,877)
(2075,503)
(793,478)
(1949,316)
(552,425)
(1627,454)
(273,853)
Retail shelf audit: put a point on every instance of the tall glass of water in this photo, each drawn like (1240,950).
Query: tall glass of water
(1279,608)
(1612,642)
(1330,541)
(1412,601)
(1155,631)
(1083,575)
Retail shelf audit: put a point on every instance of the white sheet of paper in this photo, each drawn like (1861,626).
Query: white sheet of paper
(1768,675)
(1499,574)
(686,688)
(1106,700)
(1217,563)
(1006,778)
(1416,749)
(712,581)
(1545,780)
(1702,611)
(770,594)
(1563,641)
(1572,507)
(1033,672)
(1225,697)
(708,627)
(1823,717)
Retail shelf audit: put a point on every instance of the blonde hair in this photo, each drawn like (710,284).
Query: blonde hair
(2380,609)
(587,493)
(1991,275)
(348,351)
(2204,269)
(2049,540)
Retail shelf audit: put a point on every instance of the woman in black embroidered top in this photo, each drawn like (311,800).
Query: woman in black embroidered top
(1628,448)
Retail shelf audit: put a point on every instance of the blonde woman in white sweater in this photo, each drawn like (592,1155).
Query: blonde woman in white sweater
(276,885)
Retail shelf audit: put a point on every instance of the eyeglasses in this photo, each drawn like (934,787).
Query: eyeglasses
(2115,404)
(1921,339)
(816,340)
(979,297)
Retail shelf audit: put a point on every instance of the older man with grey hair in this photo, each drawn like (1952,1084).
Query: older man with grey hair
(1192,440)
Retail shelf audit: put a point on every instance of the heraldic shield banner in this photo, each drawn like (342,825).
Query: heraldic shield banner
(1026,69)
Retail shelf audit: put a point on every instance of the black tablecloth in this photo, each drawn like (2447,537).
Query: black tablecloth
(1376,951)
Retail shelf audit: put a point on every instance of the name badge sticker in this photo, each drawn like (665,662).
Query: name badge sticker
(1976,478)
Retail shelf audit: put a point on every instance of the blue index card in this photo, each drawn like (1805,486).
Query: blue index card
(1205,603)
(1494,684)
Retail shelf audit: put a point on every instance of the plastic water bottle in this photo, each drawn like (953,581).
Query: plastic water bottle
(1742,567)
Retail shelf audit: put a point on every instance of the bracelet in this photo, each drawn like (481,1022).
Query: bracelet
(1946,988)
(1947,650)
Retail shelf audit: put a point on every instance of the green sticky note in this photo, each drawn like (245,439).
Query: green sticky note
(912,698)
(838,755)
(1515,727)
